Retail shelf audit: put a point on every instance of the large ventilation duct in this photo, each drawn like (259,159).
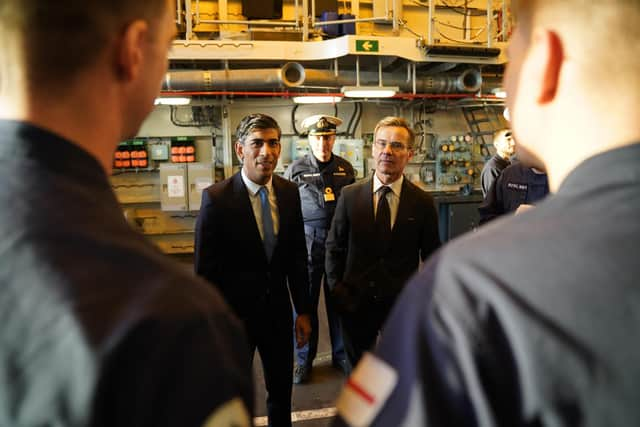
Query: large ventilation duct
(467,82)
(489,84)
(293,75)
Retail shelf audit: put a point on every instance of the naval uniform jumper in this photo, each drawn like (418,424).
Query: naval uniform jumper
(491,171)
(98,328)
(532,320)
(320,185)
(517,185)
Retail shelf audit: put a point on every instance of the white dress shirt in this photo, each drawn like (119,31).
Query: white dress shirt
(393,196)
(254,197)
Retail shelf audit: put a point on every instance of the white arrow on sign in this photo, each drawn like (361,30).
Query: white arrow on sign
(367,45)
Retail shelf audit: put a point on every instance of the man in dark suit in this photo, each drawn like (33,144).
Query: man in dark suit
(250,242)
(382,228)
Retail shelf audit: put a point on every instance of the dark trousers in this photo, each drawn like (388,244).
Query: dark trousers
(315,248)
(269,331)
(360,329)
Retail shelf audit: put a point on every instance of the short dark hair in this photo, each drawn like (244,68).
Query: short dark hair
(391,121)
(255,121)
(60,38)
(504,132)
(606,34)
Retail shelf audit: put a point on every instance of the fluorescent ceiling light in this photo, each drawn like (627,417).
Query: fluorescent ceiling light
(316,99)
(499,92)
(172,100)
(369,91)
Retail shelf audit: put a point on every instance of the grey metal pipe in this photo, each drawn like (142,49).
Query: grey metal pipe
(188,21)
(293,74)
(467,82)
(257,23)
(347,21)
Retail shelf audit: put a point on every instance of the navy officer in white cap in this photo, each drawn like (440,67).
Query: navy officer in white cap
(320,176)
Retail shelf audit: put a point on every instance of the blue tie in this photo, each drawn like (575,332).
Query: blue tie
(269,235)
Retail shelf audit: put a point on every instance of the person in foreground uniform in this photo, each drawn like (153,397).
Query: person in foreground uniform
(98,328)
(532,319)
(517,187)
(505,147)
(320,176)
(382,228)
(250,244)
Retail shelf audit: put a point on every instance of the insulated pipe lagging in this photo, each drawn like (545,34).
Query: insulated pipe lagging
(293,75)
(467,82)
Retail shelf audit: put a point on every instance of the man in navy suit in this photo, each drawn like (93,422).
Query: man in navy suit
(382,228)
(250,243)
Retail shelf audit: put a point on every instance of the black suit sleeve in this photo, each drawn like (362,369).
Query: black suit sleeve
(492,206)
(297,275)
(337,243)
(206,245)
(352,173)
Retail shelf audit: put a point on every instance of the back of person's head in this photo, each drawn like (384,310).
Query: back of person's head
(46,43)
(601,40)
(255,121)
(391,121)
(573,80)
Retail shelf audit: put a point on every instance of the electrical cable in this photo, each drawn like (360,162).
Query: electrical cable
(209,109)
(457,27)
(351,119)
(466,9)
(461,41)
(355,125)
(293,119)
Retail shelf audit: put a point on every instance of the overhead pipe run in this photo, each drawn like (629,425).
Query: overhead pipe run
(294,75)
(272,94)
(467,82)
(291,74)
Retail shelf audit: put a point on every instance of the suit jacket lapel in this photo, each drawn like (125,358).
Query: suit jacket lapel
(245,210)
(404,209)
(364,205)
(282,202)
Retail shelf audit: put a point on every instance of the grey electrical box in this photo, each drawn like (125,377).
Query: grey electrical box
(351,149)
(173,187)
(200,176)
(159,151)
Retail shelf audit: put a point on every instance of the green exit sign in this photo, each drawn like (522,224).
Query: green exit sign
(367,46)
